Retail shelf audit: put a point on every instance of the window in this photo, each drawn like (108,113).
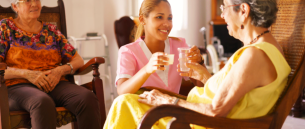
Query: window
(179,10)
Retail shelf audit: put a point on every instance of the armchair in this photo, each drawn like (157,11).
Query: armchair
(289,31)
(21,119)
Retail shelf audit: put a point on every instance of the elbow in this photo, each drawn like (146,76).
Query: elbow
(120,90)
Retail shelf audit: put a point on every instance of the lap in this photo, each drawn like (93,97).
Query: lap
(126,111)
(21,96)
(66,93)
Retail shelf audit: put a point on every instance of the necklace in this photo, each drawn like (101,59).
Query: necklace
(255,39)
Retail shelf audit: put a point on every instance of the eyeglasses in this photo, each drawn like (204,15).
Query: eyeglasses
(222,7)
(28,2)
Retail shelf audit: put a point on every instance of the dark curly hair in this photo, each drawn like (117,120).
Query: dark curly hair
(262,12)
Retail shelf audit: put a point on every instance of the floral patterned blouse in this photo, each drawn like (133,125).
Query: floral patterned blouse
(34,51)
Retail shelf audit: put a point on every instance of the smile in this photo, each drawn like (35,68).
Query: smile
(164,31)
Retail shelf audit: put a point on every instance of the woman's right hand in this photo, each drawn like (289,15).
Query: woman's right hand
(197,72)
(39,79)
(155,62)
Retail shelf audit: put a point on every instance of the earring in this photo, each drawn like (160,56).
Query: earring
(242,26)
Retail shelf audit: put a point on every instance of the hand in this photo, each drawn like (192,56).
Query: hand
(155,62)
(39,79)
(155,98)
(194,55)
(54,77)
(197,72)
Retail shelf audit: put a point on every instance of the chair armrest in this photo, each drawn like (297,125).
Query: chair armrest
(184,117)
(88,66)
(4,106)
(149,88)
(2,66)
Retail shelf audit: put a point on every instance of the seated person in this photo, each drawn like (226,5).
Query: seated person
(247,87)
(34,51)
(144,62)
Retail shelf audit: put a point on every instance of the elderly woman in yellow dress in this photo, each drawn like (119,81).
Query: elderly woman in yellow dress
(34,51)
(247,87)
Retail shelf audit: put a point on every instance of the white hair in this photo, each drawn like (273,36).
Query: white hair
(13,1)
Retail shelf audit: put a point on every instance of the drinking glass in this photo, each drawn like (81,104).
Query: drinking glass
(183,58)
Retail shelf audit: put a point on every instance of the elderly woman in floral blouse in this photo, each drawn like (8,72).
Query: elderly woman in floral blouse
(38,57)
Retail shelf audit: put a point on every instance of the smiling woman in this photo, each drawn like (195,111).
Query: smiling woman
(247,87)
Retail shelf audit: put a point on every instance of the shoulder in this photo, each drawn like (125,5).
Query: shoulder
(176,39)
(253,52)
(7,22)
(129,47)
(255,58)
(177,42)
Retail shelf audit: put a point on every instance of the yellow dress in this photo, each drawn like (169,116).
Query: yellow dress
(126,111)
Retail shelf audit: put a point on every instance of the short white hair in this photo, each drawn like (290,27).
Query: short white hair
(13,1)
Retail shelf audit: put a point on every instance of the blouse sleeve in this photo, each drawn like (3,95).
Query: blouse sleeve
(126,65)
(66,49)
(5,34)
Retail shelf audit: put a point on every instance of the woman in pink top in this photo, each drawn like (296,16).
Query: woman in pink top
(144,62)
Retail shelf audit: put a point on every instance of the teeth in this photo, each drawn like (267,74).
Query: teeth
(164,31)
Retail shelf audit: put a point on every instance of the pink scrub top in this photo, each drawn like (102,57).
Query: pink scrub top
(134,56)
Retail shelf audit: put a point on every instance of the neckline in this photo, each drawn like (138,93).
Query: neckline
(42,24)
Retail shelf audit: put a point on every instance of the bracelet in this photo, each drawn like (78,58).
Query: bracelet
(71,68)
(176,101)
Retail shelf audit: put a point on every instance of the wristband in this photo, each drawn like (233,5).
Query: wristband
(176,101)
(71,68)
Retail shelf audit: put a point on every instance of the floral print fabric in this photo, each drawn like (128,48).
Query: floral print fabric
(34,51)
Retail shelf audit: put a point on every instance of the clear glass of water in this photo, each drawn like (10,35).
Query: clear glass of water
(183,58)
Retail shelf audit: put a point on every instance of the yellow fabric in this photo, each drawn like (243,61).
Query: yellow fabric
(126,111)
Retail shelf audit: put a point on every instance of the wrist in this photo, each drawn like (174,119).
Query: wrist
(71,68)
(63,70)
(147,72)
(172,100)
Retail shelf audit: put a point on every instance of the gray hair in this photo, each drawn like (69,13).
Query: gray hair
(262,12)
(13,1)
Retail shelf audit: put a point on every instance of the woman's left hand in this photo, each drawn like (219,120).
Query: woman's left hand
(156,98)
(194,55)
(54,77)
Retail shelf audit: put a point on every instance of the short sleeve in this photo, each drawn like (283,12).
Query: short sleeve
(66,49)
(5,34)
(126,65)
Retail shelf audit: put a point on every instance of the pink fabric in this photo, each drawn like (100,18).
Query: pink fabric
(132,59)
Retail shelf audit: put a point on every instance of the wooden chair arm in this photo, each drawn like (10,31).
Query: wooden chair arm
(4,107)
(184,117)
(88,66)
(149,88)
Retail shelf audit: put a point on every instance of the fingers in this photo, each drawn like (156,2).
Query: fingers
(192,65)
(44,84)
(193,50)
(184,74)
(38,86)
(47,72)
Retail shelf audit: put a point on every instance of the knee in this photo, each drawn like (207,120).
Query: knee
(43,102)
(125,97)
(87,97)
